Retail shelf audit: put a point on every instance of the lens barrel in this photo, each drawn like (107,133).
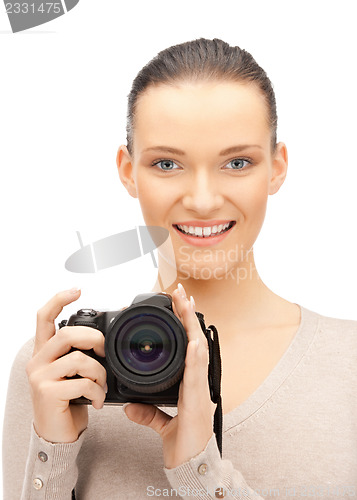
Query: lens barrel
(145,348)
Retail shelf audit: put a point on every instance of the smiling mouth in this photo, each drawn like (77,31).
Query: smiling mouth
(205,232)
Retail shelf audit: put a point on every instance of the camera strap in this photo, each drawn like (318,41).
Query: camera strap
(215,375)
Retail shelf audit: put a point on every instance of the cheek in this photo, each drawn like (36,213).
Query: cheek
(252,198)
(153,198)
(149,204)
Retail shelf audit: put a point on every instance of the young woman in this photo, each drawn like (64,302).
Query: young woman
(202,157)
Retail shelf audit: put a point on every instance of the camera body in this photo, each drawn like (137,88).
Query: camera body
(145,350)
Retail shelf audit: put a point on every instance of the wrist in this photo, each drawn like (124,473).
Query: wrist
(55,436)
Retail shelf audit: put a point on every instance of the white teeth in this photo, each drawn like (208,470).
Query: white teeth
(205,231)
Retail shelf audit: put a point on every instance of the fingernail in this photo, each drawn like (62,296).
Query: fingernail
(74,290)
(192,302)
(181,290)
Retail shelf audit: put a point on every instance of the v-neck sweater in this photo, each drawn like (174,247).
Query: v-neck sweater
(294,436)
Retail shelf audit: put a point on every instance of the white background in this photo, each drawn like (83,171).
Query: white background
(63,90)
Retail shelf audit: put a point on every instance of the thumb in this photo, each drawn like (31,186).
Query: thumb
(149,415)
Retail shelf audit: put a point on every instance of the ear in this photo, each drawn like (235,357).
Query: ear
(125,170)
(279,168)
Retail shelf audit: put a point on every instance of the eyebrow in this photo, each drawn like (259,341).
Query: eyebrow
(232,149)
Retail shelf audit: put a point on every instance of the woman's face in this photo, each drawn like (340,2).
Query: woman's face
(202,158)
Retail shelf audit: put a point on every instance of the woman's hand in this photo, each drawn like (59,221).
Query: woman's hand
(187,434)
(55,419)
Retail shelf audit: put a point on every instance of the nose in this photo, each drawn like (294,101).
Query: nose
(203,195)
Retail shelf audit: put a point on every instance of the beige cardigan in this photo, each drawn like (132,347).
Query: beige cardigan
(295,436)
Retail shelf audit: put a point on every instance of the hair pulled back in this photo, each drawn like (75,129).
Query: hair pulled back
(201,60)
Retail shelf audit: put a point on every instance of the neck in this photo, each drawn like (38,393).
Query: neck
(237,298)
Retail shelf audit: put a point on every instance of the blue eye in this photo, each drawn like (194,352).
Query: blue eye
(238,163)
(165,165)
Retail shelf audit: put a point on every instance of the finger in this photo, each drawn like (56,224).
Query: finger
(196,366)
(149,415)
(195,380)
(76,363)
(179,299)
(186,312)
(66,390)
(80,337)
(175,310)
(46,316)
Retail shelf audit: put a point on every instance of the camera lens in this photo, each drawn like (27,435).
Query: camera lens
(146,344)
(145,348)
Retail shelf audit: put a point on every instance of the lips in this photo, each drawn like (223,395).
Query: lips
(208,230)
(204,239)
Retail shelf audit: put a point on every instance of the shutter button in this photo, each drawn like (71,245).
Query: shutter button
(202,469)
(86,312)
(37,483)
(43,456)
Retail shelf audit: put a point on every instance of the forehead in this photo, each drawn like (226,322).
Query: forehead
(201,112)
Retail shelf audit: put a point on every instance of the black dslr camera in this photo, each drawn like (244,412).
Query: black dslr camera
(145,349)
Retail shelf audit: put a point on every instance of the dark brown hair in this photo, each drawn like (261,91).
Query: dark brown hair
(200,60)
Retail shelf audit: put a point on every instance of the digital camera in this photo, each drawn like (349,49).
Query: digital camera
(145,349)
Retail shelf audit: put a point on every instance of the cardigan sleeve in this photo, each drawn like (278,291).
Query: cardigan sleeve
(32,467)
(51,471)
(208,476)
